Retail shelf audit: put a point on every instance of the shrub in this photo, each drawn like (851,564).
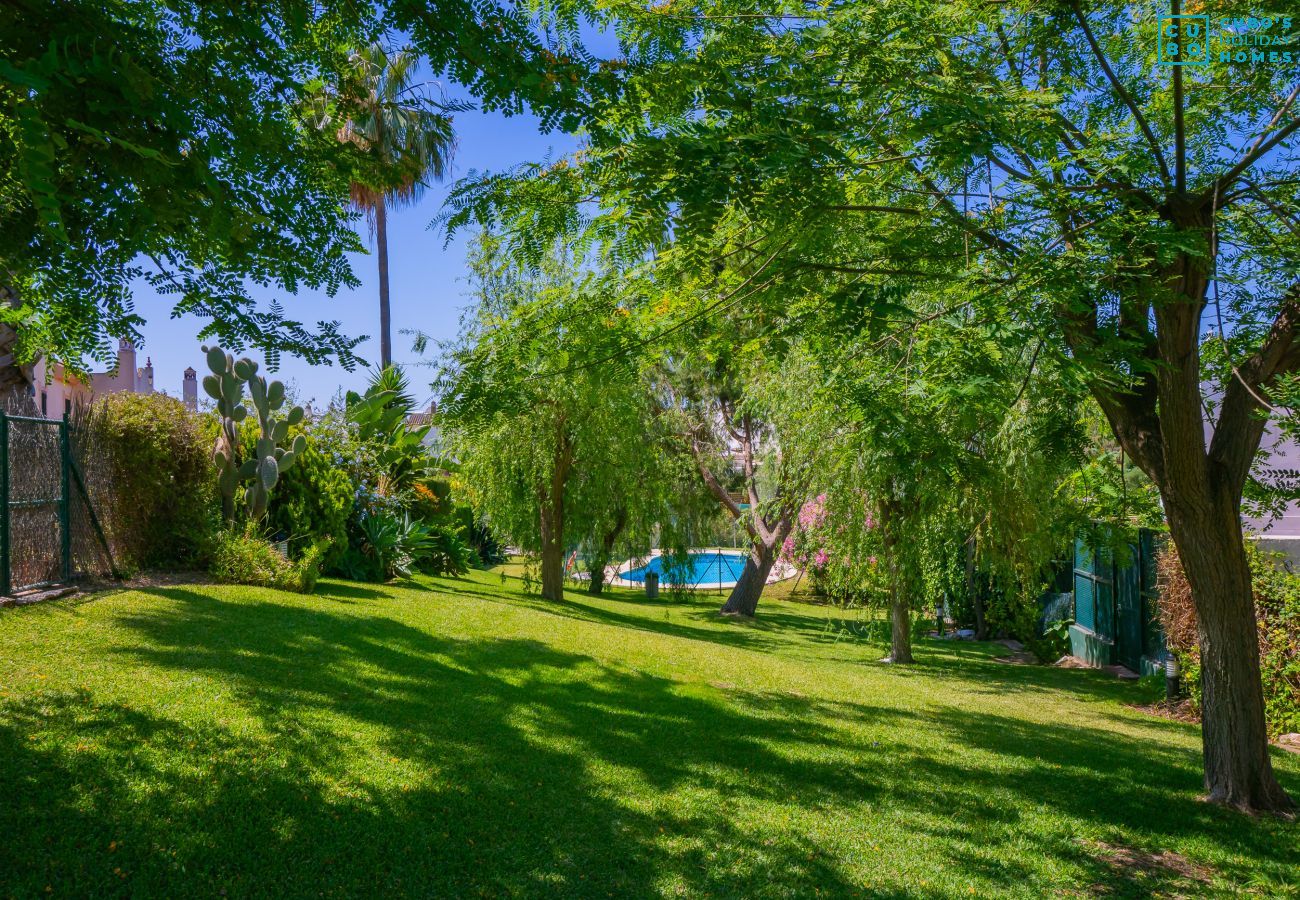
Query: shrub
(385,545)
(155,496)
(488,551)
(440,550)
(244,557)
(430,500)
(374,550)
(312,499)
(1277,615)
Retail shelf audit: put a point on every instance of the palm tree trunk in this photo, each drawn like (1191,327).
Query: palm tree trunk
(385,316)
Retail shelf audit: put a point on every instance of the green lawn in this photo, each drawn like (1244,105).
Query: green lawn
(453,737)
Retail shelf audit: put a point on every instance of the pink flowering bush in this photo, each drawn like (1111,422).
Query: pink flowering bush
(823,549)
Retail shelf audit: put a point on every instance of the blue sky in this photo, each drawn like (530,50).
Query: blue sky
(428,281)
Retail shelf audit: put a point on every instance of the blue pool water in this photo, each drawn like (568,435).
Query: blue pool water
(706,570)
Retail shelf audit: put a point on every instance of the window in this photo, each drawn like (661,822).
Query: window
(67,406)
(45,403)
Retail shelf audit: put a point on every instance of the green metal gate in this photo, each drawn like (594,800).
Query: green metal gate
(1128,615)
(35,535)
(1115,602)
(1094,588)
(47,522)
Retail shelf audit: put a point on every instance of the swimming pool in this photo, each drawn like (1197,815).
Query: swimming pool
(712,568)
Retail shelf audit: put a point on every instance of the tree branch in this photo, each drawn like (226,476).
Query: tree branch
(993,241)
(1260,148)
(717,490)
(1119,89)
(1131,414)
(1240,427)
(853,207)
(1277,116)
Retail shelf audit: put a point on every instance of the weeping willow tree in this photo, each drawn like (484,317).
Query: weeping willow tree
(945,440)
(549,419)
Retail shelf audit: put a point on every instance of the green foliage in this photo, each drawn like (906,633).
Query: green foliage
(386,545)
(245,557)
(373,553)
(1277,615)
(542,427)
(313,499)
(157,508)
(1054,642)
(949,447)
(1277,604)
(437,549)
(478,536)
(380,419)
(144,142)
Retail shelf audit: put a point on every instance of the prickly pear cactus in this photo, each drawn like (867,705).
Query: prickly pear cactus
(272,454)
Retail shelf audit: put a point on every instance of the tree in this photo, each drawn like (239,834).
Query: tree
(942,435)
(742,420)
(1039,156)
(173,154)
(548,435)
(171,142)
(408,135)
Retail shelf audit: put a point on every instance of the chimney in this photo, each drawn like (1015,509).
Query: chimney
(125,377)
(190,390)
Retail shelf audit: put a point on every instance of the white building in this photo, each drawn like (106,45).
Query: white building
(56,390)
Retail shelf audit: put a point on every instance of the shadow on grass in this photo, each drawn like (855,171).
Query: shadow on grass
(694,618)
(331,589)
(773,629)
(506,767)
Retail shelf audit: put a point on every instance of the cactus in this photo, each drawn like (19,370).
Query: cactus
(271,455)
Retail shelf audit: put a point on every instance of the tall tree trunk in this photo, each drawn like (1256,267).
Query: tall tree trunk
(1201,490)
(596,586)
(385,315)
(1159,419)
(552,516)
(601,560)
(1234,736)
(973,590)
(900,613)
(743,599)
(553,551)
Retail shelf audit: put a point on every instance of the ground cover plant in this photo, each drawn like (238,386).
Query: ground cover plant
(458,737)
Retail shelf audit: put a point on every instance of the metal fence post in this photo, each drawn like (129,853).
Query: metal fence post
(5,576)
(65,512)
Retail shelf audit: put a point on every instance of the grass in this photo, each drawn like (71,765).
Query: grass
(455,737)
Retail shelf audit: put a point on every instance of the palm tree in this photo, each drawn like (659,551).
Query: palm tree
(408,135)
